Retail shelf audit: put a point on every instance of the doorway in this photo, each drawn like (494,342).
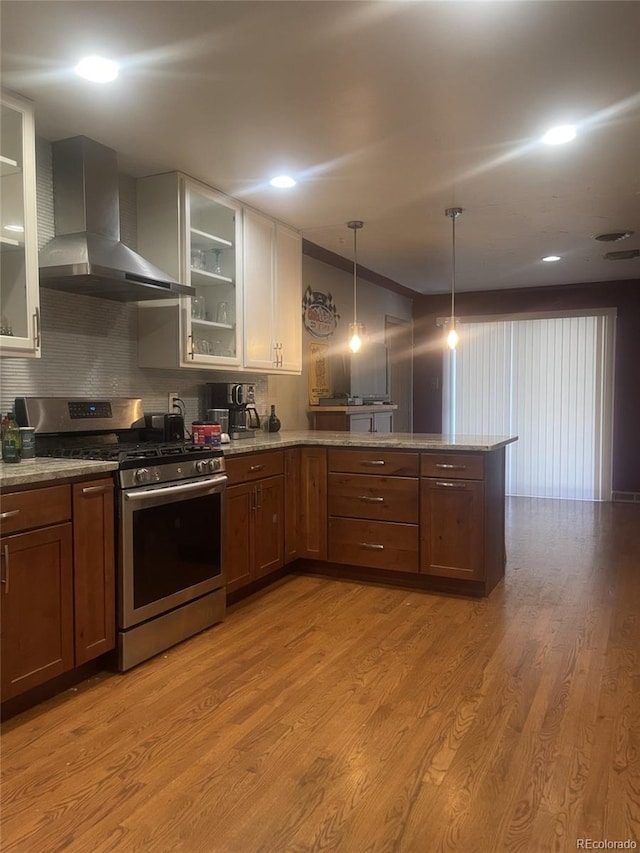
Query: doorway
(398,335)
(547,379)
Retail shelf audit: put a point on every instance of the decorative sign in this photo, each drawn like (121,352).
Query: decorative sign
(319,385)
(319,313)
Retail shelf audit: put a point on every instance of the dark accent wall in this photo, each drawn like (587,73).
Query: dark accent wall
(623,295)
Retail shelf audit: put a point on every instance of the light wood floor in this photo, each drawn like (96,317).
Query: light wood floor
(332,716)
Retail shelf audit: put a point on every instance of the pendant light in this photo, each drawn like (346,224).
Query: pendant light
(452,338)
(356,330)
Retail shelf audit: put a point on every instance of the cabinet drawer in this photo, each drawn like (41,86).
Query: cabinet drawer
(467,466)
(378,498)
(373,461)
(255,466)
(374,544)
(35,508)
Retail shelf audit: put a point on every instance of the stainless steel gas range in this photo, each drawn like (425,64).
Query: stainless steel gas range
(169,517)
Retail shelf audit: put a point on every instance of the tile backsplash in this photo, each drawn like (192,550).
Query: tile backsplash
(89,345)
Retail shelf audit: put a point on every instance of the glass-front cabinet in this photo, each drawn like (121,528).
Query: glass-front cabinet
(194,234)
(19,298)
(212,327)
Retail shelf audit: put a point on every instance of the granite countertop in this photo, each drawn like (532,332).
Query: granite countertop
(42,470)
(46,470)
(392,441)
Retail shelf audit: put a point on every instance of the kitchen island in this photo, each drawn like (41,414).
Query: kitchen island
(415,509)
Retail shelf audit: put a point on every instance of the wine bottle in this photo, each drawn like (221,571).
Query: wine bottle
(273,424)
(11,442)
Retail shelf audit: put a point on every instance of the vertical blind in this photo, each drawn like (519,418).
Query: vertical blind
(549,381)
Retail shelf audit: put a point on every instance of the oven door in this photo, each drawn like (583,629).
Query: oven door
(170,546)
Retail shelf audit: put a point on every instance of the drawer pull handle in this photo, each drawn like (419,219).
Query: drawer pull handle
(451,467)
(5,579)
(370,500)
(10,513)
(451,485)
(371,546)
(371,463)
(256,467)
(96,490)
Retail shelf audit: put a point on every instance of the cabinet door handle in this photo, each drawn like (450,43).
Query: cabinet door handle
(371,546)
(191,347)
(370,500)
(96,490)
(258,497)
(10,513)
(451,467)
(373,463)
(256,467)
(5,579)
(36,321)
(451,485)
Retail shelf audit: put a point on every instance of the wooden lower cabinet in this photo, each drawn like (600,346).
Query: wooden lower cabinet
(36,605)
(94,569)
(292,503)
(312,531)
(57,601)
(452,528)
(254,530)
(374,544)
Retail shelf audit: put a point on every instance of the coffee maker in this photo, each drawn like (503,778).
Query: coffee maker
(239,399)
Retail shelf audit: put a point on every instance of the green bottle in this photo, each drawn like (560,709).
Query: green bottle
(11,443)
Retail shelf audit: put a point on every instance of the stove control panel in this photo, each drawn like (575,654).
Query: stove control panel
(170,471)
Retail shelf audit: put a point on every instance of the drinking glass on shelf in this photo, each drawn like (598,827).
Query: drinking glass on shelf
(197,307)
(197,259)
(222,313)
(217,269)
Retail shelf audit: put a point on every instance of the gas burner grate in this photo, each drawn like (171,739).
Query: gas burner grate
(124,452)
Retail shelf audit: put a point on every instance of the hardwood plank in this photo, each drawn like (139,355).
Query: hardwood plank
(328,715)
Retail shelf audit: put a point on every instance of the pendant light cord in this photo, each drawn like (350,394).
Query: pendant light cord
(355,272)
(453,213)
(355,225)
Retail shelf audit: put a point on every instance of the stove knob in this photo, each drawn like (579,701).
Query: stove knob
(142,475)
(201,466)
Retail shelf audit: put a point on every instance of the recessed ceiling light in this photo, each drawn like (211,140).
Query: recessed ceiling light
(97,69)
(282,182)
(560,134)
(550,259)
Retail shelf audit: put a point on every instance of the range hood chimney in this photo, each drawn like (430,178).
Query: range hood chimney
(86,255)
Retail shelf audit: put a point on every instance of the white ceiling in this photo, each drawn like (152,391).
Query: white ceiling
(387,112)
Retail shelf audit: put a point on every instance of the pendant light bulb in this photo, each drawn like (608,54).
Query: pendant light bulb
(452,338)
(356,330)
(355,341)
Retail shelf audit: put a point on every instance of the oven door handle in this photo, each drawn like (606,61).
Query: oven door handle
(205,487)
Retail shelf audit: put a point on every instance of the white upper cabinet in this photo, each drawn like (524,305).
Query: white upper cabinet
(19,295)
(272,295)
(193,233)
(245,270)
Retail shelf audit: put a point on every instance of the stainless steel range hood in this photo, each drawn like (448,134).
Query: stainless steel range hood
(86,255)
